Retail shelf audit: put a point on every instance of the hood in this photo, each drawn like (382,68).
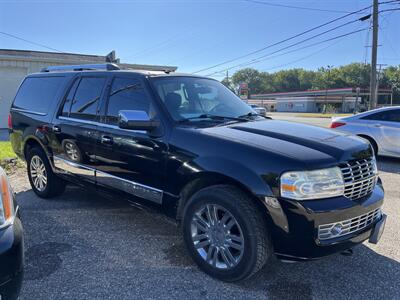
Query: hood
(298,141)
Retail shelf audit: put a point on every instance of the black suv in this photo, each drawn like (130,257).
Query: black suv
(243,187)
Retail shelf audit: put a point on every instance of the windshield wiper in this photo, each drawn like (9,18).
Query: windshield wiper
(215,117)
(249,115)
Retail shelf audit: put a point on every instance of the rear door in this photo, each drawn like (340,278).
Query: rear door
(74,129)
(385,128)
(132,161)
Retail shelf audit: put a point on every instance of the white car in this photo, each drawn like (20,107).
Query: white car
(381,127)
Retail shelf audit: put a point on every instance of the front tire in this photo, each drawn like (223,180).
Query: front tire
(225,233)
(43,181)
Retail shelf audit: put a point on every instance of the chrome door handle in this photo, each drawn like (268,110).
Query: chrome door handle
(377,125)
(56,129)
(106,140)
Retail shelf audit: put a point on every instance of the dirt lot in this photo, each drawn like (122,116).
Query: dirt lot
(83,246)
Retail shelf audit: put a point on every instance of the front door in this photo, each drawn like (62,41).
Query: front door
(74,129)
(130,160)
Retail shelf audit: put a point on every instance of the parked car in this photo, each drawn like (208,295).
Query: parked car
(11,242)
(242,187)
(381,127)
(262,111)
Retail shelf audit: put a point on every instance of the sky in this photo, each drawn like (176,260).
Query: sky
(195,35)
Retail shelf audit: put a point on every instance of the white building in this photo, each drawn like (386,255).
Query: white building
(16,64)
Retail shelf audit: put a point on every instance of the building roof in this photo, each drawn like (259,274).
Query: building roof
(326,92)
(73,58)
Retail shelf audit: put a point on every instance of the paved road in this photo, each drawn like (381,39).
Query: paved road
(292,117)
(84,246)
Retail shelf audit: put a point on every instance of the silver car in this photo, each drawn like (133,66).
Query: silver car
(381,127)
(262,111)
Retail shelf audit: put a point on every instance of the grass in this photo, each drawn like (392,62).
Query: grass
(320,115)
(6,151)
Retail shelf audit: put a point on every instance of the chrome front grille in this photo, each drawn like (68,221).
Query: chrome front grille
(359,177)
(341,228)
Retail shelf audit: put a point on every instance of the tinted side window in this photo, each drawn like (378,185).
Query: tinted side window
(68,100)
(390,116)
(394,116)
(87,97)
(127,94)
(37,93)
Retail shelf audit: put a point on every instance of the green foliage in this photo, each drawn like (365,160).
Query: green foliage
(229,84)
(6,151)
(351,75)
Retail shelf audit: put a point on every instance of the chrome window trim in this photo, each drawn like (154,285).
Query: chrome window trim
(98,124)
(28,111)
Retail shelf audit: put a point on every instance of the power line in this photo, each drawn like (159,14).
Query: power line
(282,41)
(295,7)
(30,42)
(390,9)
(302,58)
(295,50)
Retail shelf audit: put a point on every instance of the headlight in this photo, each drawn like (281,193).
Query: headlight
(6,200)
(316,184)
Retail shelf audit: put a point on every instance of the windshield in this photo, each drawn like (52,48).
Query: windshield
(191,98)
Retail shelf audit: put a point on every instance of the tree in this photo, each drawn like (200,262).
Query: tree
(252,77)
(351,75)
(228,83)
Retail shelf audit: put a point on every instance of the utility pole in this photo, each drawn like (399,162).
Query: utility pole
(373,91)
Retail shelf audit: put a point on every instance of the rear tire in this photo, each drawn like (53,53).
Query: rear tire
(222,250)
(43,181)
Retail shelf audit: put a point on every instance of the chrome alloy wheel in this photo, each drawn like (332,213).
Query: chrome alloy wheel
(217,236)
(38,173)
(71,151)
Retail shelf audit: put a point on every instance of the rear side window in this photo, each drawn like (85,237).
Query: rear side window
(36,94)
(87,98)
(389,115)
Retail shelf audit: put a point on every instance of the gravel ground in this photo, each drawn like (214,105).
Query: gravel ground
(84,246)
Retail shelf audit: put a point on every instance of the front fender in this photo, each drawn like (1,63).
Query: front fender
(235,170)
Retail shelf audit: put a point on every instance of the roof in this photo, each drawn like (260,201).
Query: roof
(325,92)
(51,55)
(73,58)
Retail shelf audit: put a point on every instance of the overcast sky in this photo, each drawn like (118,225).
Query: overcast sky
(197,34)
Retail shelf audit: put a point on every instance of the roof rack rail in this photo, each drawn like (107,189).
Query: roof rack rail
(103,67)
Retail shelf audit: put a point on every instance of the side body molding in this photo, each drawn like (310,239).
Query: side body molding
(64,166)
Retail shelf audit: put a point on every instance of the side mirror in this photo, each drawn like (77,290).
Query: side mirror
(136,120)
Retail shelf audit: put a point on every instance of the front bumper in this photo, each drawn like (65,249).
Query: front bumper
(11,260)
(295,234)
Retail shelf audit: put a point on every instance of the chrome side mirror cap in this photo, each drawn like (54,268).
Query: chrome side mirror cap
(136,120)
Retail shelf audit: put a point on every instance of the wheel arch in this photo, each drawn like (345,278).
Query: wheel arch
(373,142)
(207,179)
(31,142)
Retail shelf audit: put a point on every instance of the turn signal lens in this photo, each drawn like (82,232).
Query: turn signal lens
(6,199)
